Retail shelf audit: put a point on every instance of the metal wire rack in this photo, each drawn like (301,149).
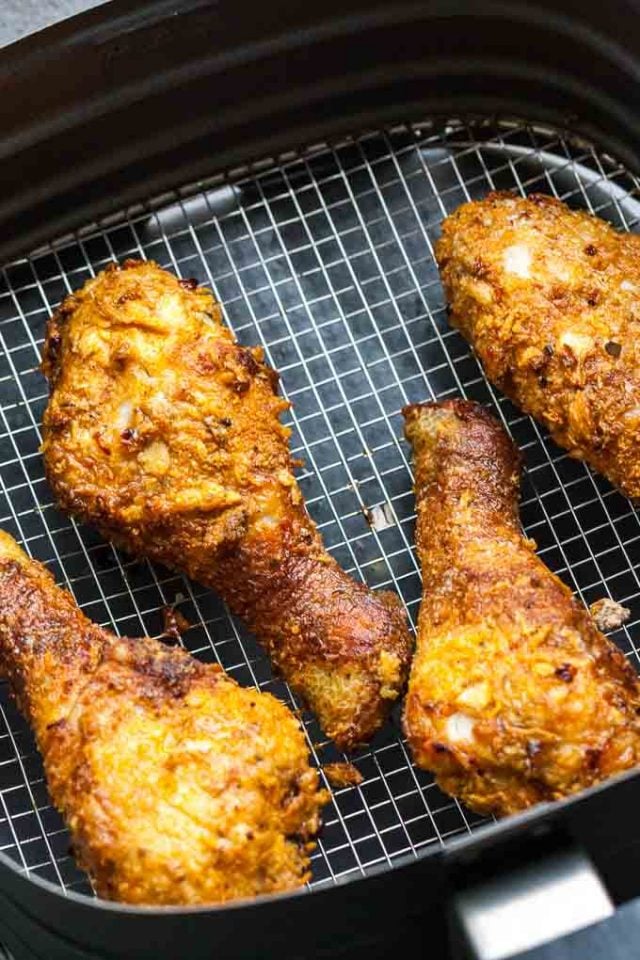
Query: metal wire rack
(324,258)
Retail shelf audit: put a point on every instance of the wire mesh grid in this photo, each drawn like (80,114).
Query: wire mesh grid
(325,259)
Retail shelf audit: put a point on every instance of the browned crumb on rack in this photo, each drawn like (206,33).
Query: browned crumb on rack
(515,697)
(608,614)
(177,785)
(342,775)
(174,622)
(549,299)
(166,433)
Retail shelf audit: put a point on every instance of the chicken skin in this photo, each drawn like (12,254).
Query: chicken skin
(178,786)
(165,433)
(549,298)
(514,697)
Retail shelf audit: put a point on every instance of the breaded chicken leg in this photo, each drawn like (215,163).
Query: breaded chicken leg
(165,433)
(549,298)
(515,696)
(177,785)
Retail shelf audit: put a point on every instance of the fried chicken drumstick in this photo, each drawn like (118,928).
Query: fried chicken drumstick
(165,433)
(515,696)
(177,785)
(550,300)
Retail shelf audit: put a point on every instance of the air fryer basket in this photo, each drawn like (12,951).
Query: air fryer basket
(323,255)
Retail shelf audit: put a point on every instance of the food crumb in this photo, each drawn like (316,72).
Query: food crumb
(342,775)
(174,623)
(379,517)
(608,614)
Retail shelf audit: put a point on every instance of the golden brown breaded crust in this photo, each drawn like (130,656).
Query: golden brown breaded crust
(514,696)
(178,786)
(550,300)
(165,433)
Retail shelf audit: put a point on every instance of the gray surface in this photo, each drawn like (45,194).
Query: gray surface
(21,17)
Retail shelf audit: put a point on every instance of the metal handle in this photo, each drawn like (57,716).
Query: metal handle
(529,905)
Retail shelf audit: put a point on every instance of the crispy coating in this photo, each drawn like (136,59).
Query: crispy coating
(550,300)
(165,433)
(514,696)
(178,786)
